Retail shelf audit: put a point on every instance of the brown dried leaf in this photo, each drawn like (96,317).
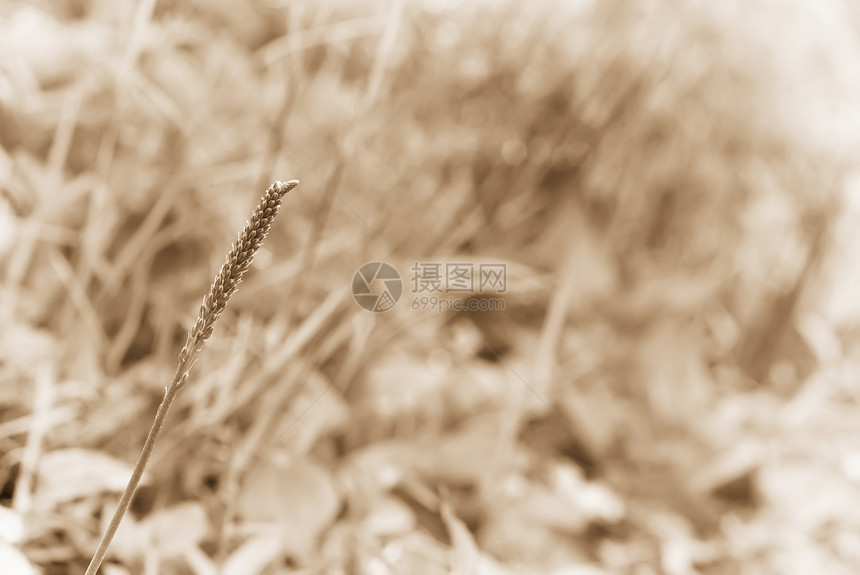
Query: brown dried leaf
(295,493)
(254,555)
(466,456)
(172,531)
(69,474)
(14,562)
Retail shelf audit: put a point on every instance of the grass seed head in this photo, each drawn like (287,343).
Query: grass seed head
(230,275)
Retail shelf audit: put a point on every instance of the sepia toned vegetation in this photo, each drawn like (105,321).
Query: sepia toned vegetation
(669,386)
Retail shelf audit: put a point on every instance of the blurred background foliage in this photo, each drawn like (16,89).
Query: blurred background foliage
(671,387)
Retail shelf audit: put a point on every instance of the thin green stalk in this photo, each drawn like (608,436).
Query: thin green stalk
(225,285)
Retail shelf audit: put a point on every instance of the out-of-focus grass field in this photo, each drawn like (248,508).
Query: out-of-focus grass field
(672,386)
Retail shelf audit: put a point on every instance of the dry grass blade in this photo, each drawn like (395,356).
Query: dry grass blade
(225,285)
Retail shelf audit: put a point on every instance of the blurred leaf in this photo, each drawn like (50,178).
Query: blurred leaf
(254,555)
(171,532)
(467,558)
(376,468)
(14,562)
(674,377)
(50,49)
(69,474)
(466,456)
(11,525)
(295,493)
(549,509)
(23,346)
(388,518)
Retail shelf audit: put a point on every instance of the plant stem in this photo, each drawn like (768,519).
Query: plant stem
(226,282)
(137,474)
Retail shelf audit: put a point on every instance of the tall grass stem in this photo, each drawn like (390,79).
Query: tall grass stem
(226,283)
